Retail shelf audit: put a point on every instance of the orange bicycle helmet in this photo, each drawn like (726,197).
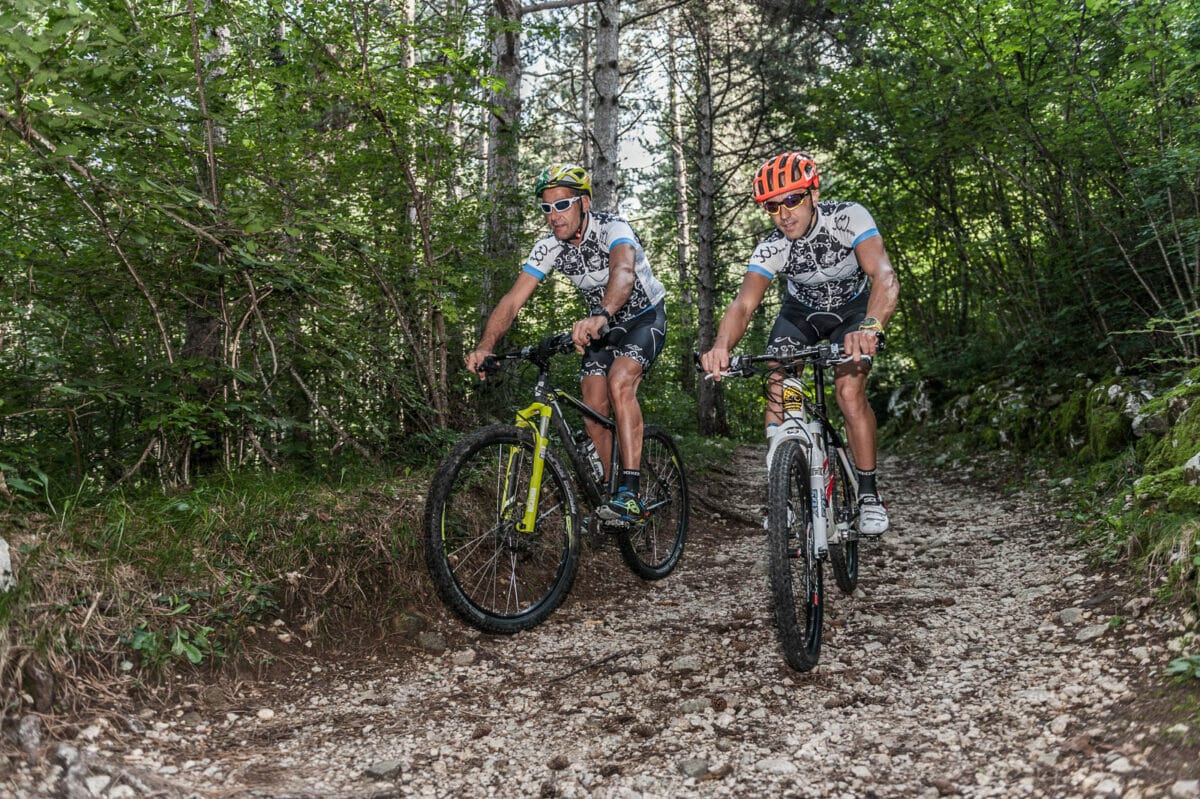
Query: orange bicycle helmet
(785,173)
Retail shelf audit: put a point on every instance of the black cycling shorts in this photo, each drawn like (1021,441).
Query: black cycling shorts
(640,338)
(800,326)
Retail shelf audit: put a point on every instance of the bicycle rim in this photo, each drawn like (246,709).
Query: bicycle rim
(494,576)
(652,549)
(843,555)
(797,582)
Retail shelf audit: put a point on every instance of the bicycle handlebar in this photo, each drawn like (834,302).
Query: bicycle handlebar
(818,354)
(540,353)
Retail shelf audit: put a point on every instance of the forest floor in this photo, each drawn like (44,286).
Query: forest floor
(982,655)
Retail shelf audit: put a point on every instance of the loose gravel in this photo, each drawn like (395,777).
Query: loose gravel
(982,656)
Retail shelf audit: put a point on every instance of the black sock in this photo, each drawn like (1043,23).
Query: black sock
(866,483)
(631,479)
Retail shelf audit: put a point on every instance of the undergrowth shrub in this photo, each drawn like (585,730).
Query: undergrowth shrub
(129,590)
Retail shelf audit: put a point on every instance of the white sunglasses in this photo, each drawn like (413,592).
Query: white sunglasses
(561,205)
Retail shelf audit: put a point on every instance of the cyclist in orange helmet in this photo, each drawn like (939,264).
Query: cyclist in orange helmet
(840,286)
(601,255)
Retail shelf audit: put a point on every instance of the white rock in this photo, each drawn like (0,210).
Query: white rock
(97,783)
(1186,789)
(776,766)
(7,579)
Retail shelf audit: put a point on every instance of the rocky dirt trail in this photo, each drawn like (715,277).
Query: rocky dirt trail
(978,658)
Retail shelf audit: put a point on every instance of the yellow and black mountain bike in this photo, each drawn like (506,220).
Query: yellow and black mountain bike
(503,518)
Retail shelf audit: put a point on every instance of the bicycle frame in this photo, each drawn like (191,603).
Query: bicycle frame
(807,420)
(595,491)
(546,410)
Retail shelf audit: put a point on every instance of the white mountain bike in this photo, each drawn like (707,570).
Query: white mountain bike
(812,500)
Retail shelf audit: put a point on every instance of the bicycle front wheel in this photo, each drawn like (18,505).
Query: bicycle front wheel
(494,575)
(843,499)
(652,549)
(797,581)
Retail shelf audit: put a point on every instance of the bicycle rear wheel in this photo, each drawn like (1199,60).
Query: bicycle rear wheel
(797,580)
(494,576)
(843,549)
(652,549)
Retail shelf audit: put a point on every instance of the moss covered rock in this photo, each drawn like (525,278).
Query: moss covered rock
(1065,428)
(1108,431)
(1157,486)
(1179,444)
(1184,499)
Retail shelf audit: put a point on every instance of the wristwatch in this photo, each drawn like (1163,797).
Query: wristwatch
(870,323)
(600,310)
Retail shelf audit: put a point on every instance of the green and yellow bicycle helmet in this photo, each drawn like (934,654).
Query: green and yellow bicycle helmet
(569,175)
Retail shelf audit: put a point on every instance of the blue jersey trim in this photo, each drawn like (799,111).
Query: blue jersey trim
(529,270)
(866,234)
(758,270)
(630,242)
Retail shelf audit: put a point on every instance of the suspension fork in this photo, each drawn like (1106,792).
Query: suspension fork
(537,419)
(819,470)
(802,423)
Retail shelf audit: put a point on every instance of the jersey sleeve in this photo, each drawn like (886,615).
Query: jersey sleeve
(853,224)
(540,262)
(769,256)
(616,232)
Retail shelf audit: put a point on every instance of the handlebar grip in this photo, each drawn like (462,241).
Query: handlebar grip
(739,363)
(490,365)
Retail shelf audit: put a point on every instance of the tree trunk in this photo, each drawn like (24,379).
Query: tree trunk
(604,170)
(683,239)
(205,330)
(503,166)
(585,93)
(711,407)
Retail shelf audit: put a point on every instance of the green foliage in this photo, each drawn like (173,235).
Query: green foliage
(279,309)
(1000,163)
(701,452)
(1185,668)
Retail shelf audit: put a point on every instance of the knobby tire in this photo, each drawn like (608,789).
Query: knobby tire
(491,575)
(843,555)
(796,578)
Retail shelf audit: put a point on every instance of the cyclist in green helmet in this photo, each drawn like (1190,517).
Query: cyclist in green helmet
(602,256)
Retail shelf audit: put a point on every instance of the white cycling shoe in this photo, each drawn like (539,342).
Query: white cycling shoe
(872,516)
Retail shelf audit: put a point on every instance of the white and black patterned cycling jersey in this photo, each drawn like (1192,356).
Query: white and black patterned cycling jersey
(821,269)
(587,265)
